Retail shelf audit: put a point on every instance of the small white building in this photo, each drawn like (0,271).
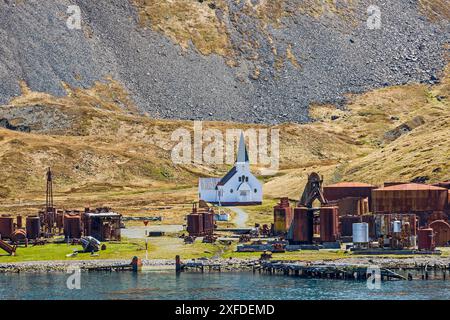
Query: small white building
(238,187)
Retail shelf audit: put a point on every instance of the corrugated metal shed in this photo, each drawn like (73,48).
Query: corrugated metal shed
(411,197)
(342,190)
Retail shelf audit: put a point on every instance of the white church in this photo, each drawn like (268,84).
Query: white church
(238,187)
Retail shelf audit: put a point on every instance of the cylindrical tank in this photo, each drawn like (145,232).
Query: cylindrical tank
(195,224)
(397,226)
(441,232)
(303,230)
(33,227)
(370,220)
(208,222)
(361,232)
(329,221)
(19,222)
(6,227)
(72,226)
(346,223)
(426,239)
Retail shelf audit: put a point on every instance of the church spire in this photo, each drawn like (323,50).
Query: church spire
(242,155)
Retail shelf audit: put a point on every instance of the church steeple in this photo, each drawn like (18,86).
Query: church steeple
(242,156)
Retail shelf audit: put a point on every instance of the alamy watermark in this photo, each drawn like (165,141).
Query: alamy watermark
(73,22)
(74,280)
(374,277)
(212,146)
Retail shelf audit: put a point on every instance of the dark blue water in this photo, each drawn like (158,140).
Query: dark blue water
(166,285)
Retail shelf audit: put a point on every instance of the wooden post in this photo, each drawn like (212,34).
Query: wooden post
(177,264)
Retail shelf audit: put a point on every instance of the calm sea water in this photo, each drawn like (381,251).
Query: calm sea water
(243,285)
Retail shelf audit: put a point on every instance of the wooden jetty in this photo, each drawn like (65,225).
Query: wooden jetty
(325,271)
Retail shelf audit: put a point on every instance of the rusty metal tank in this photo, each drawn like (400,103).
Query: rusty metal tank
(408,198)
(19,222)
(33,227)
(282,215)
(370,220)
(441,232)
(208,223)
(303,225)
(72,226)
(6,227)
(346,225)
(426,239)
(348,189)
(195,224)
(329,222)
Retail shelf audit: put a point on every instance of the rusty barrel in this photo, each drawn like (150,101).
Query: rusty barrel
(33,227)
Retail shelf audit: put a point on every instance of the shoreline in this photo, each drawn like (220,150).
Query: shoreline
(234,264)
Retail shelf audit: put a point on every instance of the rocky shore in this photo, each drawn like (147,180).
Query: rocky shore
(225,264)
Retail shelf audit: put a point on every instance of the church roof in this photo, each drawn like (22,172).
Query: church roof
(228,176)
(208,183)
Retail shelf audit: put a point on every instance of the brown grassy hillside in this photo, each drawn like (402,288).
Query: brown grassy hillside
(104,153)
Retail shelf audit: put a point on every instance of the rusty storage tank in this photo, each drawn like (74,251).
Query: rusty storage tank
(6,227)
(208,223)
(19,222)
(346,225)
(441,232)
(195,224)
(329,222)
(426,239)
(59,219)
(72,226)
(408,198)
(282,215)
(303,225)
(33,227)
(370,220)
(349,189)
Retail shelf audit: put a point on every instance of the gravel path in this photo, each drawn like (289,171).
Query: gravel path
(241,217)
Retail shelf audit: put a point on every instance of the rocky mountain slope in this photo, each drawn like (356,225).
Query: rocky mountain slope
(256,61)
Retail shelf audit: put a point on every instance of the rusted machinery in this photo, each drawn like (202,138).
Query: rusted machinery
(19,236)
(397,231)
(282,214)
(102,224)
(303,225)
(313,191)
(200,221)
(329,222)
(6,227)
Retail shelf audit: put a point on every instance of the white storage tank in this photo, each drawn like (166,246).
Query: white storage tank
(397,226)
(360,232)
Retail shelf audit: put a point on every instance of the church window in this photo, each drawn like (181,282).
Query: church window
(231,190)
(256,191)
